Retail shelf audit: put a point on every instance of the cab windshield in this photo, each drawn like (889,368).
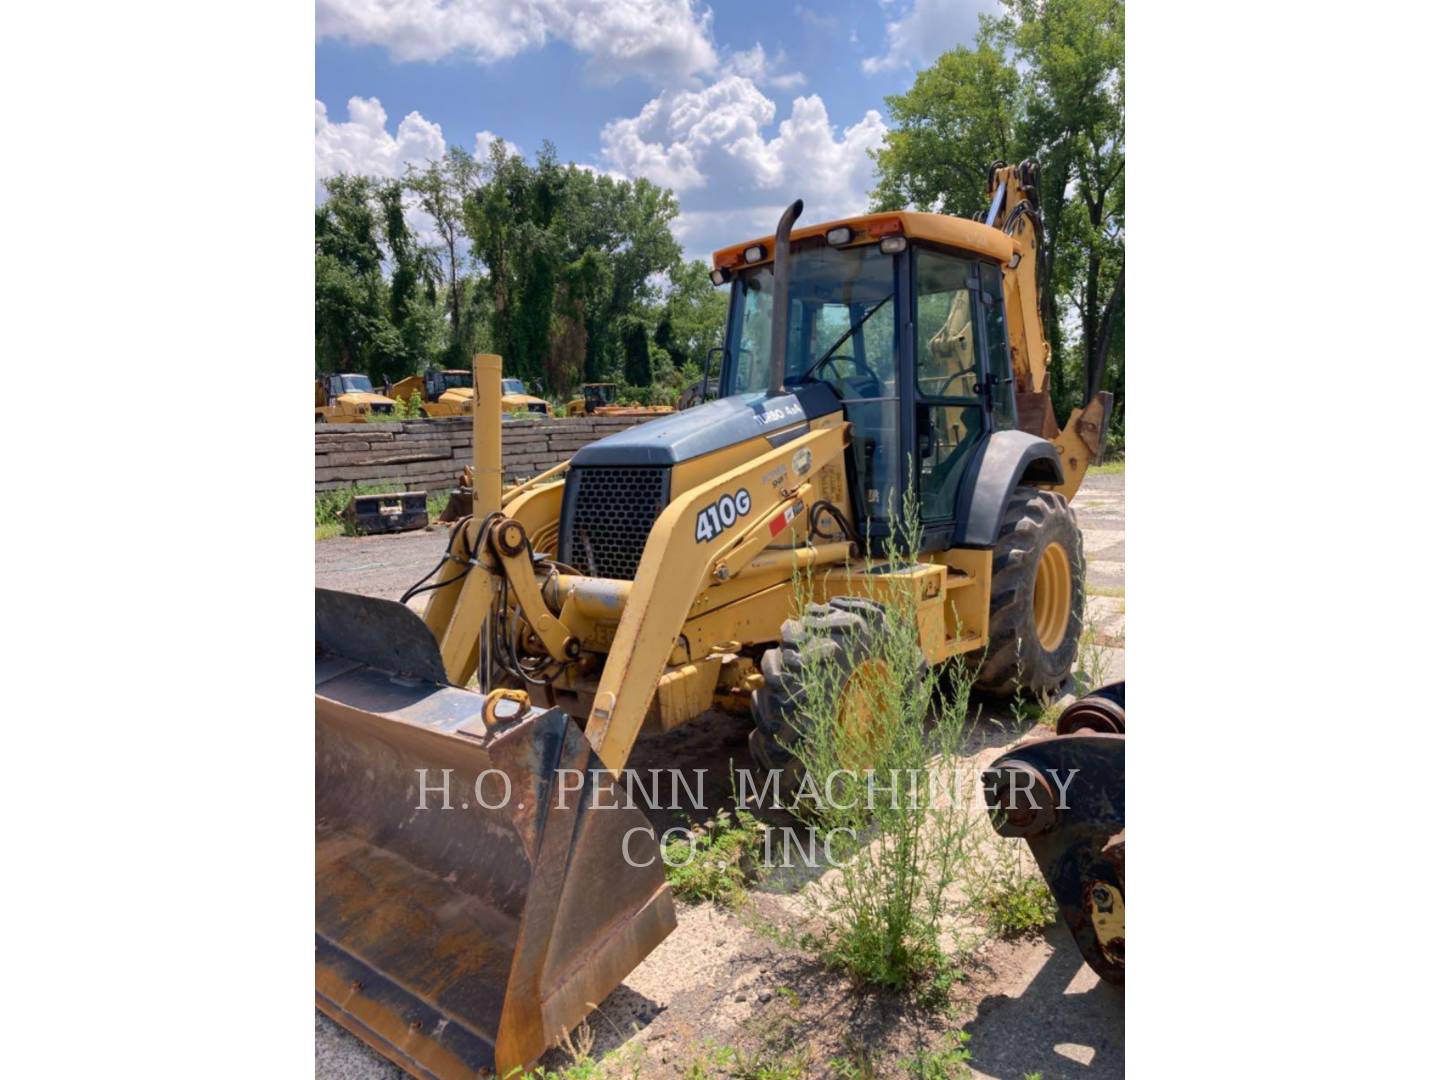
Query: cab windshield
(457,380)
(841,323)
(510,386)
(356,384)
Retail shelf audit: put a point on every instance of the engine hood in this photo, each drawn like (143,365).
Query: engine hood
(706,428)
(354,397)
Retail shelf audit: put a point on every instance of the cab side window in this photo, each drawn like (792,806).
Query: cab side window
(949,418)
(997,348)
(946,354)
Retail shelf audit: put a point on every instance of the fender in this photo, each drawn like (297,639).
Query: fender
(1002,462)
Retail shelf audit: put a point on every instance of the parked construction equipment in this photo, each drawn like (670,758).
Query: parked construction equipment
(348,399)
(1065,795)
(867,362)
(451,392)
(599,399)
(447,392)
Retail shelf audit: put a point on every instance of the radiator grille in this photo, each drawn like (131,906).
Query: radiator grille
(611,513)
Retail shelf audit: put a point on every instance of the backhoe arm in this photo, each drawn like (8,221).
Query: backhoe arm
(1015,210)
(1014,192)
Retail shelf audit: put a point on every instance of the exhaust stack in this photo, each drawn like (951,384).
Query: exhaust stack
(780,312)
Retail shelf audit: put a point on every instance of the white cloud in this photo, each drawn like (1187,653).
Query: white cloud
(665,40)
(362,145)
(712,146)
(925,30)
(763,70)
(485,139)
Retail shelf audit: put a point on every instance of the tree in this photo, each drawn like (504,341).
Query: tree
(414,283)
(441,188)
(364,322)
(1045,80)
(567,254)
(540,262)
(946,130)
(635,342)
(349,285)
(690,319)
(1073,55)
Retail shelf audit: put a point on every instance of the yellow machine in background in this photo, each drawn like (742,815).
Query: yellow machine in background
(652,577)
(598,399)
(451,392)
(348,399)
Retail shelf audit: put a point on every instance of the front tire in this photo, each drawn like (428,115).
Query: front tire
(842,632)
(1037,597)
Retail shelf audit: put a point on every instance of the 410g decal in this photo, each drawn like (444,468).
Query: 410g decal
(714,519)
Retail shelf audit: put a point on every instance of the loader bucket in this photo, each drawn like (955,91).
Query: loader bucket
(466,937)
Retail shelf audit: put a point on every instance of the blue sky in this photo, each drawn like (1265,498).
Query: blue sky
(738,105)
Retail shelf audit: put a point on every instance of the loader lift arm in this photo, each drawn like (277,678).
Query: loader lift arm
(677,562)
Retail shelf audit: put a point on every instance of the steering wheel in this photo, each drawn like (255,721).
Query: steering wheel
(951,379)
(865,381)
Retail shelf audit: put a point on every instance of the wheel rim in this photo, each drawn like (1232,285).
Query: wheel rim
(857,713)
(1052,597)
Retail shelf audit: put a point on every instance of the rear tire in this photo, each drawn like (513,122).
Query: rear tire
(841,632)
(1037,597)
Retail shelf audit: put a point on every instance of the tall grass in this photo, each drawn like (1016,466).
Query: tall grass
(892,794)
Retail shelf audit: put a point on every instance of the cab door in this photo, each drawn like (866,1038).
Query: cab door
(949,384)
(998,388)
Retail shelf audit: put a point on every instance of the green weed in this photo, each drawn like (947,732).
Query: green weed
(1093,664)
(857,1064)
(780,1052)
(947,1063)
(713,865)
(1004,888)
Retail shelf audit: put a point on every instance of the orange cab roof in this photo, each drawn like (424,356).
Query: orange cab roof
(869,228)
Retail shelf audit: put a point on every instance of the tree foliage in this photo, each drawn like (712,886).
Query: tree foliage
(1044,80)
(542,262)
(635,342)
(365,320)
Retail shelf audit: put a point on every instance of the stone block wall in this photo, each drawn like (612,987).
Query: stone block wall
(416,455)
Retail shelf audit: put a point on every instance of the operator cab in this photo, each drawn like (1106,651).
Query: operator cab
(350,384)
(910,335)
(599,395)
(437,381)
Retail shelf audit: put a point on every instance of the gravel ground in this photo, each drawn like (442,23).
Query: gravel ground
(1030,1006)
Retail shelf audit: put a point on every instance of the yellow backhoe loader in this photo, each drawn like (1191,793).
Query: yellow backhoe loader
(474,899)
(348,399)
